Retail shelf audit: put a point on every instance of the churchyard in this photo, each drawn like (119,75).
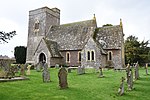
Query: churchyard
(88,86)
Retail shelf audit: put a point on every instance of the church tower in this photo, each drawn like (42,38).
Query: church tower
(40,21)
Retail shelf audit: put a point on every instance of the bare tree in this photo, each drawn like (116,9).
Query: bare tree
(6,36)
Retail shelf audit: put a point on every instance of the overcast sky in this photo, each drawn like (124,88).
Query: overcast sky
(135,15)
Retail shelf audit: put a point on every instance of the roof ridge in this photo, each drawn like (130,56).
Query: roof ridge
(76,22)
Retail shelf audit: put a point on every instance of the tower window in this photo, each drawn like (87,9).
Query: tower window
(36,26)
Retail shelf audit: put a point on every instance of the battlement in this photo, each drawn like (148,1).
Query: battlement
(54,11)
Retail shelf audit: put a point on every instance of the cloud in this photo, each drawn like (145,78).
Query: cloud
(134,13)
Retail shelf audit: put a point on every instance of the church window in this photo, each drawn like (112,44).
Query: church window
(68,57)
(109,55)
(88,55)
(92,56)
(36,26)
(79,56)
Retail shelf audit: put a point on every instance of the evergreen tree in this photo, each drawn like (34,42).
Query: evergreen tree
(20,54)
(136,50)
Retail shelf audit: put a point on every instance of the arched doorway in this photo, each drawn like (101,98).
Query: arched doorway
(42,57)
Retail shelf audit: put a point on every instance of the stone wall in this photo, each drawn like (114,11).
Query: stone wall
(99,61)
(6,62)
(73,58)
(46,17)
(42,49)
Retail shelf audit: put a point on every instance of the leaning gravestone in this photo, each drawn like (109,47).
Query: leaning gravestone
(130,80)
(62,75)
(146,67)
(45,74)
(100,73)
(136,71)
(121,88)
(127,72)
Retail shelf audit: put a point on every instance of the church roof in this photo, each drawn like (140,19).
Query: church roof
(72,36)
(53,48)
(109,37)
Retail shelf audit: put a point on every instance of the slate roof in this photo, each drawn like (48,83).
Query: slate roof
(110,37)
(72,36)
(53,48)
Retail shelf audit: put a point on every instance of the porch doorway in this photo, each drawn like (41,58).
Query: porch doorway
(42,57)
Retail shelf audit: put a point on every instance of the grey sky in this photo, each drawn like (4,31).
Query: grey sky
(134,14)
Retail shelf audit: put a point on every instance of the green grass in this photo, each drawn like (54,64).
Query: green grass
(81,87)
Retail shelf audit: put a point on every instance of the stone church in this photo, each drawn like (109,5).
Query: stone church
(73,44)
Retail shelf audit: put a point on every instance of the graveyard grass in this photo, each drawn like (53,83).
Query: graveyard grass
(81,87)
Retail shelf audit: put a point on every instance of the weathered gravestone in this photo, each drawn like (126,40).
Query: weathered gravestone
(136,71)
(127,72)
(80,70)
(62,75)
(146,67)
(100,73)
(39,67)
(121,88)
(130,80)
(22,70)
(45,74)
(57,66)
(28,69)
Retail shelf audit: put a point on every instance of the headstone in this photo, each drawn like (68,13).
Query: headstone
(28,69)
(80,70)
(57,66)
(127,72)
(100,73)
(146,67)
(130,80)
(45,74)
(121,88)
(62,75)
(22,70)
(69,69)
(136,71)
(39,67)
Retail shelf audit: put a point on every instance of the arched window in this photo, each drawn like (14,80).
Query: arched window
(68,57)
(88,55)
(79,56)
(92,55)
(109,55)
(36,26)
